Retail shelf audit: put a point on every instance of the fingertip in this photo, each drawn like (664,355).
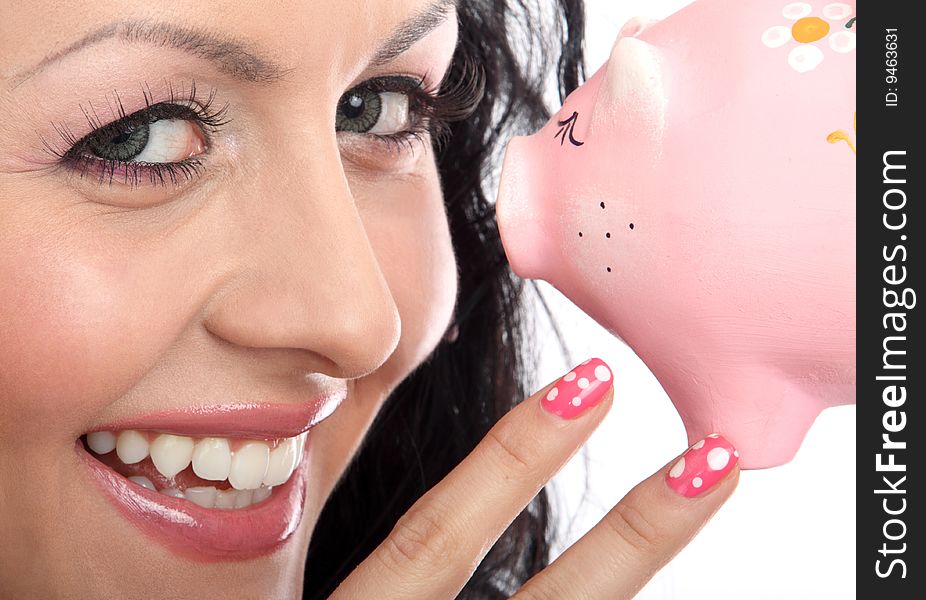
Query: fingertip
(703,467)
(582,388)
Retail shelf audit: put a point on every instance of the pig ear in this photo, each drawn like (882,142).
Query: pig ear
(636,26)
(634,82)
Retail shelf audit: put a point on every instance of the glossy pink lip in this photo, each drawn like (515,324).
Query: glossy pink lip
(247,420)
(202,534)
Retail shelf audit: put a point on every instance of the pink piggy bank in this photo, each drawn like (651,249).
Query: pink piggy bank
(696,197)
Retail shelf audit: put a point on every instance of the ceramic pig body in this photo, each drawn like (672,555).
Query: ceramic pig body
(697,198)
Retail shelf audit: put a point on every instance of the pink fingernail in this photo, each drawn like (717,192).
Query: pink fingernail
(702,466)
(579,389)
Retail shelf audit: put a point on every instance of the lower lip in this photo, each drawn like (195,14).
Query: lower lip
(203,534)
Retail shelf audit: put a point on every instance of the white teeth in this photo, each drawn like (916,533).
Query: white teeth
(226,498)
(230,499)
(210,497)
(131,447)
(171,453)
(260,494)
(282,462)
(252,470)
(243,498)
(300,446)
(249,466)
(212,459)
(203,496)
(102,442)
(143,481)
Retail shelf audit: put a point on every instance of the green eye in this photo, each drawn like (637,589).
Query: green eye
(358,110)
(122,145)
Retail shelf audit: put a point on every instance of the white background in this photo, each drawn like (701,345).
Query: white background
(787,532)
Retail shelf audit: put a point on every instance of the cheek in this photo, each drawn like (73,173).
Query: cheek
(55,317)
(73,328)
(411,238)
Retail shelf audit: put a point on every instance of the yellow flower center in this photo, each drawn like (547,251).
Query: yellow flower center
(809,29)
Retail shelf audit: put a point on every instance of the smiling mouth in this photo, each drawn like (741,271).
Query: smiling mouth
(211,472)
(209,483)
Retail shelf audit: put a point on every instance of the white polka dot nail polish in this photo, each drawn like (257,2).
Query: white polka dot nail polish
(705,463)
(578,390)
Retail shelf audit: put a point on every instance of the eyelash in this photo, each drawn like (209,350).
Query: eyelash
(434,110)
(431,112)
(187,106)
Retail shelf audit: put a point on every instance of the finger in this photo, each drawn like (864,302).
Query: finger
(435,547)
(645,530)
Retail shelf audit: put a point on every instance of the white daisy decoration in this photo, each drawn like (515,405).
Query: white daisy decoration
(835,28)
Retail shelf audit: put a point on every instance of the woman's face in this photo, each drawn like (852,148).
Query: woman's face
(210,269)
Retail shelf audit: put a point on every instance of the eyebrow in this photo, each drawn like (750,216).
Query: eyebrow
(236,57)
(413,29)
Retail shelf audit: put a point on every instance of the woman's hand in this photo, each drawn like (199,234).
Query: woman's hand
(435,547)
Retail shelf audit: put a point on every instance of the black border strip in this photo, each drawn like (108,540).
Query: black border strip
(891,369)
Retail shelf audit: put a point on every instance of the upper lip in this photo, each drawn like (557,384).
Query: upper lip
(245,420)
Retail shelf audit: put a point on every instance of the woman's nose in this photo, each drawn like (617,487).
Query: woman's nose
(306,276)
